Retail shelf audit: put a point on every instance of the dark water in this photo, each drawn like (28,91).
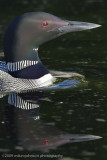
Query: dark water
(79,110)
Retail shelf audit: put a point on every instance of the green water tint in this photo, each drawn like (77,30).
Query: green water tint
(65,80)
(82,109)
(28,131)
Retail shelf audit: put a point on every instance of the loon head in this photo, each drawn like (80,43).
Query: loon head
(26,33)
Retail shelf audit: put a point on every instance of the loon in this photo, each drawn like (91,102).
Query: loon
(23,69)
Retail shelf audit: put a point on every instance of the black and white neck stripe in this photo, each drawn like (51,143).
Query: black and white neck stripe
(16,66)
(15,100)
(33,108)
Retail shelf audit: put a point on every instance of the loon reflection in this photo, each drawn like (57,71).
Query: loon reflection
(28,132)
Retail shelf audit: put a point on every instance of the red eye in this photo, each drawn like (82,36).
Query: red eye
(44,24)
(46,142)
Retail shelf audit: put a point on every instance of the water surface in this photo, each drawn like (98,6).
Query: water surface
(77,110)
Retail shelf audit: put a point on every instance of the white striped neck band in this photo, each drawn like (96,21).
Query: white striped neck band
(17,101)
(16,66)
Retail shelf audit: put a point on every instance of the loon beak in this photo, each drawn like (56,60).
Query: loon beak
(73,26)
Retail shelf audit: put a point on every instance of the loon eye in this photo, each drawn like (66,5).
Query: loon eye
(44,24)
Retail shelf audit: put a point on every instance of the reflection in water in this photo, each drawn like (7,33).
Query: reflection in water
(27,131)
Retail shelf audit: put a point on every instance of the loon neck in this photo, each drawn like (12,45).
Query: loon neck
(17,66)
(28,68)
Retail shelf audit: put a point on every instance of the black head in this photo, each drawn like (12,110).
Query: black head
(30,30)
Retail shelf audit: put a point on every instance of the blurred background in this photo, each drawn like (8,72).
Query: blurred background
(81,110)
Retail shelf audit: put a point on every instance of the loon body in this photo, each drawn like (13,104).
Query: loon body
(23,69)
